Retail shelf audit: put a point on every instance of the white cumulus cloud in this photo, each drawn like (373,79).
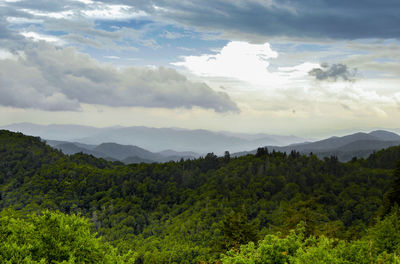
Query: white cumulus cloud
(237,60)
(59,79)
(37,37)
(245,62)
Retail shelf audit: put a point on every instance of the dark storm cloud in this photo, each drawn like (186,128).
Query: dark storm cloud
(5,33)
(51,78)
(307,18)
(333,72)
(340,19)
(46,6)
(10,39)
(57,79)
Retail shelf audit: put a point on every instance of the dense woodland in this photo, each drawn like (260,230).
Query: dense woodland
(271,207)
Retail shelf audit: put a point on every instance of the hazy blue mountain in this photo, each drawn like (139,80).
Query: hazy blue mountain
(332,142)
(155,139)
(276,140)
(131,154)
(358,145)
(184,143)
(54,143)
(368,145)
(385,135)
(124,153)
(71,148)
(359,149)
(121,152)
(170,152)
(158,139)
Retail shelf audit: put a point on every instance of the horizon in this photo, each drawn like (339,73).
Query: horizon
(143,144)
(322,137)
(258,68)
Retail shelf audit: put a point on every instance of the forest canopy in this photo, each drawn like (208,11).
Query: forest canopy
(271,207)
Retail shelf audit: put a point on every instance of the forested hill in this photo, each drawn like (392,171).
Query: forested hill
(194,210)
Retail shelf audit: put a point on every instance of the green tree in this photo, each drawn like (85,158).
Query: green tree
(392,196)
(271,250)
(237,230)
(53,237)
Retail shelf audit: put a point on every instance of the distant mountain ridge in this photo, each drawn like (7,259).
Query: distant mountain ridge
(385,135)
(144,144)
(124,153)
(346,147)
(155,139)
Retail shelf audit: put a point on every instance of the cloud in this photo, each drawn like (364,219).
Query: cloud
(37,37)
(350,96)
(333,72)
(297,71)
(239,19)
(113,12)
(112,57)
(171,35)
(247,66)
(45,6)
(58,78)
(237,60)
(25,87)
(75,23)
(5,54)
(10,39)
(339,19)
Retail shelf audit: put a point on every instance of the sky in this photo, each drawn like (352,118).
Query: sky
(309,68)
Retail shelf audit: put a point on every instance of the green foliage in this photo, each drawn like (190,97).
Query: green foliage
(386,233)
(320,251)
(271,250)
(236,231)
(53,238)
(385,159)
(177,212)
(392,197)
(380,245)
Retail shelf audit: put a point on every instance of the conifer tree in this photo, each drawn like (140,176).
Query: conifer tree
(237,230)
(392,196)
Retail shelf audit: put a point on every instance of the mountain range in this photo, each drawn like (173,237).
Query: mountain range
(156,139)
(358,145)
(124,153)
(144,144)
